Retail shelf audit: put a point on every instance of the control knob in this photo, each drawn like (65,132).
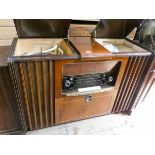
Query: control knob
(104,77)
(67,83)
(110,79)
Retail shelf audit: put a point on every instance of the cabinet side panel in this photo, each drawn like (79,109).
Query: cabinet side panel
(36,78)
(131,83)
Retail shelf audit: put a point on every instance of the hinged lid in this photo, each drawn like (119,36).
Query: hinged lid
(42,28)
(82,28)
(115,28)
(88,48)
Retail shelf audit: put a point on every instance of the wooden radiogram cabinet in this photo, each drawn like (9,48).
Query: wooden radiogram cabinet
(70,74)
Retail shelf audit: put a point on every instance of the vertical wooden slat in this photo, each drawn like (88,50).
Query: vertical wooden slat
(32,94)
(33,72)
(38,94)
(25,95)
(44,64)
(15,75)
(51,89)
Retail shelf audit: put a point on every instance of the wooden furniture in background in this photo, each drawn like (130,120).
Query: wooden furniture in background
(11,121)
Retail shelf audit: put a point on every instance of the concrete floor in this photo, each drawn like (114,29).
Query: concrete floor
(139,123)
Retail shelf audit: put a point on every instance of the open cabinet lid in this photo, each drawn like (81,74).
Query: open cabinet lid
(42,28)
(115,28)
(88,48)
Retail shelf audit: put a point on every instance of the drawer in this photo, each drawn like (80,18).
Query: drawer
(84,107)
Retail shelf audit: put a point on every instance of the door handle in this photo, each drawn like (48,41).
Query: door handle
(88,98)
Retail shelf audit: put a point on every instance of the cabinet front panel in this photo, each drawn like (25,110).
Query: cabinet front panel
(75,105)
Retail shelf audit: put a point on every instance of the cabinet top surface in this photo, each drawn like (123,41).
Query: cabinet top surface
(86,47)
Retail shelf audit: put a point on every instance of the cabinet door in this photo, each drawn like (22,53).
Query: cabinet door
(80,107)
(9,114)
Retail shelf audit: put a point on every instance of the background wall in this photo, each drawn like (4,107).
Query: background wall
(7,31)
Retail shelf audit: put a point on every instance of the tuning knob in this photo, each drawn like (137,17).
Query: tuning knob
(110,78)
(67,83)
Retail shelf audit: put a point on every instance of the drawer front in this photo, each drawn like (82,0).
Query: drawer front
(83,107)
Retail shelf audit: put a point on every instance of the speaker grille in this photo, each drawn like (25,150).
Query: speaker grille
(37,87)
(132,81)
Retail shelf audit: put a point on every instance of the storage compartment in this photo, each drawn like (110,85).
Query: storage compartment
(84,106)
(28,47)
(119,45)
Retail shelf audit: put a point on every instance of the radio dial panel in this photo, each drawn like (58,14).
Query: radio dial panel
(70,83)
(90,81)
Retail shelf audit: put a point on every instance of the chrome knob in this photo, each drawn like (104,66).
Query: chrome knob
(67,83)
(110,78)
(104,77)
